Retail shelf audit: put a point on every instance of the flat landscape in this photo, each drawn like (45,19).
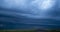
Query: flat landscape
(29,30)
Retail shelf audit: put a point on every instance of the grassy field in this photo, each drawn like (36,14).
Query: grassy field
(17,31)
(29,30)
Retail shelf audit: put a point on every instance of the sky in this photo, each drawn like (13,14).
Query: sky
(18,11)
(35,7)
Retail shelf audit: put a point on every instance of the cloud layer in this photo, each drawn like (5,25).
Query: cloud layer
(30,7)
(36,12)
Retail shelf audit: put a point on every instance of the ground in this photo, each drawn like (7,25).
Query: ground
(29,30)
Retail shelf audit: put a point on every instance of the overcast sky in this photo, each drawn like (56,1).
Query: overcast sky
(30,12)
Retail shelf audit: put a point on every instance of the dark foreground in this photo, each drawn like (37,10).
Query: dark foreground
(29,30)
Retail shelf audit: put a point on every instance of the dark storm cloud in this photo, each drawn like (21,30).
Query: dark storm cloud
(36,12)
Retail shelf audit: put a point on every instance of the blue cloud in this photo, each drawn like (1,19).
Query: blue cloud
(30,12)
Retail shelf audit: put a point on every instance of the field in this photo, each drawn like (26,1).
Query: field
(29,30)
(16,30)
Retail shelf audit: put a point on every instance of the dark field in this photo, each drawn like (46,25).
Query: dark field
(29,30)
